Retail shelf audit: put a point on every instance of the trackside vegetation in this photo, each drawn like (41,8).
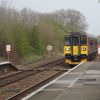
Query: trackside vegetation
(29,32)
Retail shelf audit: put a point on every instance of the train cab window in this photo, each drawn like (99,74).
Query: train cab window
(67,41)
(83,40)
(75,41)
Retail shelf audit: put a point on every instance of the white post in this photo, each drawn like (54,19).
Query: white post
(49,48)
(8,50)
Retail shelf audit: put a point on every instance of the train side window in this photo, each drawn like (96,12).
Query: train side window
(83,40)
(95,42)
(91,42)
(67,41)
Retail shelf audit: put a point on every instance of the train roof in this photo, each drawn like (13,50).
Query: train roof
(81,33)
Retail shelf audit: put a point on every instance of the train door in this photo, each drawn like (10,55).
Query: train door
(75,45)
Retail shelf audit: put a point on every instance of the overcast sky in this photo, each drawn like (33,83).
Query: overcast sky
(89,8)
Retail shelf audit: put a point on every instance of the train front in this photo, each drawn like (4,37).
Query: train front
(75,49)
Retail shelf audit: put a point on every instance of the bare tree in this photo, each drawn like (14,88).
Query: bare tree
(5,3)
(73,19)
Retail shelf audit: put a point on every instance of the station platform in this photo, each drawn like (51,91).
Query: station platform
(7,67)
(80,83)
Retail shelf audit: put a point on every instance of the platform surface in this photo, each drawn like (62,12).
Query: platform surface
(80,83)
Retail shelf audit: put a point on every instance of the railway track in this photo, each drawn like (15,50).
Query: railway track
(15,77)
(49,64)
(23,74)
(27,91)
(48,67)
(22,94)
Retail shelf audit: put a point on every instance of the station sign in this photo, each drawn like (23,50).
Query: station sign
(49,48)
(8,48)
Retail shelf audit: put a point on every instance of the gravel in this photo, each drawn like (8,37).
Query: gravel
(14,88)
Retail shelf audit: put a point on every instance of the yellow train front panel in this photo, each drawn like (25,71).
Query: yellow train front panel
(67,50)
(84,50)
(75,50)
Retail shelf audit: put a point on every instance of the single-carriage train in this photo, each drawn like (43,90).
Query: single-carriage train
(79,47)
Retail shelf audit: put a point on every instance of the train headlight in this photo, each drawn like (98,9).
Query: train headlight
(83,49)
(67,49)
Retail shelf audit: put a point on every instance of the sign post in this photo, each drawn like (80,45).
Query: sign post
(49,48)
(98,49)
(8,50)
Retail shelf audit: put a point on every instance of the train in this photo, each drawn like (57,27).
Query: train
(79,47)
